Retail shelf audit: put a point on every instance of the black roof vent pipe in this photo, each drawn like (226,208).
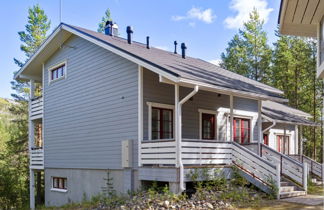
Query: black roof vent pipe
(129,32)
(109,28)
(183,50)
(175,47)
(148,42)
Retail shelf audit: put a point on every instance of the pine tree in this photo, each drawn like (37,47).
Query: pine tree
(14,171)
(248,53)
(101,25)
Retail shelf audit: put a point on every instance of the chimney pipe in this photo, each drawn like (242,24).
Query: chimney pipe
(108,28)
(183,49)
(148,42)
(129,32)
(175,47)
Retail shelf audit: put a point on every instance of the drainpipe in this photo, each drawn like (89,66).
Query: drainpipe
(271,126)
(179,135)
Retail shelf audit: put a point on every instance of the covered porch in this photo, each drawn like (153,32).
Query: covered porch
(184,127)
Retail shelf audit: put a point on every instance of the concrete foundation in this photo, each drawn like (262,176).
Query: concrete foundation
(82,184)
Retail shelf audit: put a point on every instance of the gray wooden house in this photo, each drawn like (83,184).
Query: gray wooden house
(142,114)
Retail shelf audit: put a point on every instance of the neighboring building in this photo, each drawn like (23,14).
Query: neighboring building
(112,105)
(281,125)
(304,18)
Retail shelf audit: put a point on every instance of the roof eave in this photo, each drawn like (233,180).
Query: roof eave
(228,91)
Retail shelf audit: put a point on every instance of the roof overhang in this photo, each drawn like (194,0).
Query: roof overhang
(32,69)
(300,17)
(277,121)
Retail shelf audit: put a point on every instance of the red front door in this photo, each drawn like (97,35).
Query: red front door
(208,126)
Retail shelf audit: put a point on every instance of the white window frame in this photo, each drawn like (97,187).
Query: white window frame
(206,111)
(149,119)
(51,68)
(58,189)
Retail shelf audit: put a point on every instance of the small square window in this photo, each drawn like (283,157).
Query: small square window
(57,72)
(59,183)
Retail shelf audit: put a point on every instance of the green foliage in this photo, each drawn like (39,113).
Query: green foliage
(237,179)
(273,187)
(248,53)
(14,169)
(108,190)
(105,18)
(290,66)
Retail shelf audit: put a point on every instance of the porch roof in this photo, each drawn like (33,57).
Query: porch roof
(172,66)
(281,113)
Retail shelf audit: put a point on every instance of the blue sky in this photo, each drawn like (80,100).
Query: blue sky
(205,26)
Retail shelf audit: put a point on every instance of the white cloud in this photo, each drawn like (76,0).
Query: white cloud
(162,47)
(195,13)
(216,62)
(243,9)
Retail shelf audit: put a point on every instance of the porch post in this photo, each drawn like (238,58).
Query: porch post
(301,142)
(259,126)
(31,137)
(231,118)
(140,112)
(284,141)
(296,139)
(176,121)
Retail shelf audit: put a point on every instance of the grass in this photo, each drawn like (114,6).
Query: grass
(315,189)
(280,205)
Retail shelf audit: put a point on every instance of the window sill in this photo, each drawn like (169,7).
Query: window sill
(59,190)
(58,79)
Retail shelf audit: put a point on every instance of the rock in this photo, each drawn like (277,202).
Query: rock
(166,204)
(209,205)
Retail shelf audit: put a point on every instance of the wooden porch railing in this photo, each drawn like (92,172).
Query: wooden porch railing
(36,108)
(289,166)
(204,152)
(315,168)
(37,158)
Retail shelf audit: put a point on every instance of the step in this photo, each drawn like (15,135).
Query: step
(287,189)
(283,184)
(292,194)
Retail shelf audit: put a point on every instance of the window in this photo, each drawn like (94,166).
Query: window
(266,139)
(57,72)
(59,183)
(162,123)
(208,126)
(241,130)
(283,144)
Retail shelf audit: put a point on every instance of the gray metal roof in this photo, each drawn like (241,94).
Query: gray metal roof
(189,68)
(284,114)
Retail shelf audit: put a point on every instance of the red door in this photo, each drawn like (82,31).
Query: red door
(266,139)
(241,130)
(208,126)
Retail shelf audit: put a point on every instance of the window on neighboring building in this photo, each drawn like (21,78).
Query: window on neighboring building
(57,72)
(208,126)
(162,123)
(59,183)
(266,139)
(241,130)
(283,144)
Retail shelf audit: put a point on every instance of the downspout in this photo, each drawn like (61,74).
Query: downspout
(179,140)
(271,126)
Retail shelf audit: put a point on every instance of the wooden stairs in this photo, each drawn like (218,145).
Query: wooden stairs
(288,189)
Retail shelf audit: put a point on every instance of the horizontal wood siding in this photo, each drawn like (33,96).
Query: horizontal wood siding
(92,110)
(154,91)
